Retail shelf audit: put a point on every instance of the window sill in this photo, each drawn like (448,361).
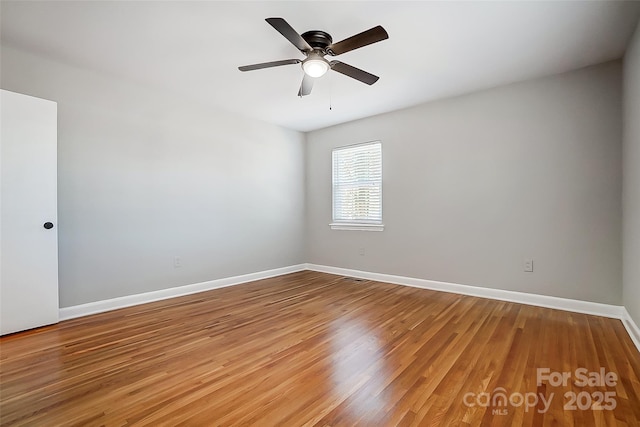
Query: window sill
(356,226)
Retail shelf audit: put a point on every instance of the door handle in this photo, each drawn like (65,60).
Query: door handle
(48,225)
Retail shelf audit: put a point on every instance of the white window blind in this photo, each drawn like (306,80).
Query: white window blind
(357,184)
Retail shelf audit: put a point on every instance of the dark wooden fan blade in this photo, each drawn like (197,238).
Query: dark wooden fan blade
(305,86)
(269,64)
(365,38)
(289,33)
(353,72)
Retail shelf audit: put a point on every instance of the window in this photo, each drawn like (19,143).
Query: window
(357,187)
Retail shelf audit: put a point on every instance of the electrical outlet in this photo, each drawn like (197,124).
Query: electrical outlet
(528,265)
(177,262)
(361,251)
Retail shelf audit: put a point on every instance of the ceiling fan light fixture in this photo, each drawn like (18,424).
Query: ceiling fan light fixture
(315,66)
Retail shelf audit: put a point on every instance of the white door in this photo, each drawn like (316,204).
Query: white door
(28,213)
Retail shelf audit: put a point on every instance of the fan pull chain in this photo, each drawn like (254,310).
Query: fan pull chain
(330,87)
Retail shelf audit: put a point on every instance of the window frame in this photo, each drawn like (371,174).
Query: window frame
(355,225)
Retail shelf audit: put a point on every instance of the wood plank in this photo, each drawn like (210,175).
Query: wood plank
(310,348)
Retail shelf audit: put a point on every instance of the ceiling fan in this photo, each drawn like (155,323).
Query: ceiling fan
(315,45)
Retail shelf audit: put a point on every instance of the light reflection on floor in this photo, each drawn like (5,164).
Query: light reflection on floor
(358,368)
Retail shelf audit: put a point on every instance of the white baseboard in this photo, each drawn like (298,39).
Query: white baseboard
(72,312)
(586,307)
(631,327)
(566,304)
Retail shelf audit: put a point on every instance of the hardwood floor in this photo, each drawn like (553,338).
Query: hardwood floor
(316,349)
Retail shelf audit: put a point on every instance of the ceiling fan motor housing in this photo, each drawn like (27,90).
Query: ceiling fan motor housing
(318,39)
(315,65)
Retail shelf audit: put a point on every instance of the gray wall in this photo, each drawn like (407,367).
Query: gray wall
(473,185)
(631,183)
(145,176)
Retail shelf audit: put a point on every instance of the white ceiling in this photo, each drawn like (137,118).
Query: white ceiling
(434,50)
